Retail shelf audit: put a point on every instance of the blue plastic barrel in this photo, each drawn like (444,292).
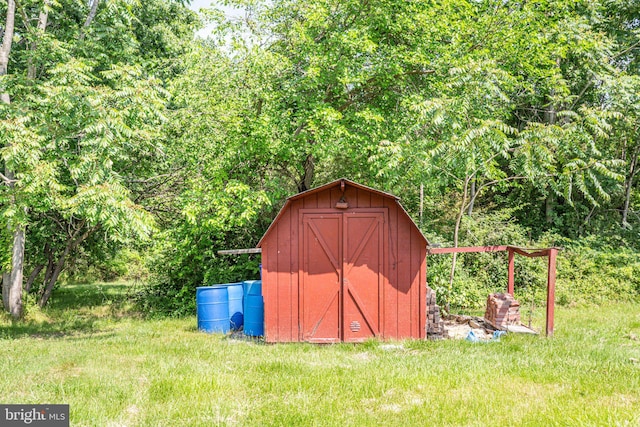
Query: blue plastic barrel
(236,317)
(254,315)
(252,287)
(212,304)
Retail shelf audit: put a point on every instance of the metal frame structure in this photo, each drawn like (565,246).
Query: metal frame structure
(550,253)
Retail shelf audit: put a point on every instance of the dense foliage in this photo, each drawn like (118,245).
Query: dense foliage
(518,120)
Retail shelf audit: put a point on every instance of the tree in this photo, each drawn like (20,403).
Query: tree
(84,118)
(11,280)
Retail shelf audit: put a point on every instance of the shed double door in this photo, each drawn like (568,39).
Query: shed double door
(342,261)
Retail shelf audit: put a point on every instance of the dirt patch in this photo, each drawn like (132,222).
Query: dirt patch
(458,327)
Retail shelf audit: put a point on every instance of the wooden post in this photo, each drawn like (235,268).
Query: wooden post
(511,279)
(421,202)
(551,290)
(240,251)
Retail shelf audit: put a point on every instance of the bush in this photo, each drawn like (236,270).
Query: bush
(480,274)
(590,270)
(108,266)
(168,295)
(595,273)
(186,255)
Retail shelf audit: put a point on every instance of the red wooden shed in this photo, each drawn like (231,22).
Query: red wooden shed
(343,262)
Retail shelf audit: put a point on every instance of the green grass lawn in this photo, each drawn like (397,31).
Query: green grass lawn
(116,369)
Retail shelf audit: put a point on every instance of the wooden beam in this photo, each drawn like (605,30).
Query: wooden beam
(511,273)
(466,249)
(240,251)
(525,252)
(551,290)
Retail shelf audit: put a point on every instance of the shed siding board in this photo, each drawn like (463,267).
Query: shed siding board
(311,201)
(418,289)
(351,196)
(270,284)
(335,196)
(364,199)
(414,291)
(415,286)
(271,288)
(376,200)
(421,286)
(404,278)
(385,282)
(423,293)
(284,277)
(294,264)
(294,329)
(401,306)
(324,199)
(391,291)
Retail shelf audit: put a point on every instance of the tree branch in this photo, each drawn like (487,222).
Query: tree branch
(90,17)
(25,18)
(627,50)
(496,181)
(582,92)
(43,17)
(7,180)
(32,277)
(299,129)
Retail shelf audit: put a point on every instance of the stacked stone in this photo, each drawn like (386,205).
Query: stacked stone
(502,310)
(434,323)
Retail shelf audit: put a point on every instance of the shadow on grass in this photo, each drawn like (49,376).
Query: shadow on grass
(79,329)
(232,335)
(91,295)
(79,310)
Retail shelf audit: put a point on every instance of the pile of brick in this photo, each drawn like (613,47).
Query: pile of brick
(434,322)
(502,311)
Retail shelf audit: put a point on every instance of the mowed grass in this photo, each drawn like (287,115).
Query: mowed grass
(114,368)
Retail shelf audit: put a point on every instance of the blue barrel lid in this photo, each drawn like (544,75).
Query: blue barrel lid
(219,285)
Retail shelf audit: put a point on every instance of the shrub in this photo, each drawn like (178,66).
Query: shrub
(591,274)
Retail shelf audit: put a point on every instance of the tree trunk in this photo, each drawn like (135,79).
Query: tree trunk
(42,26)
(48,289)
(549,204)
(32,277)
(421,203)
(307,178)
(49,271)
(472,197)
(6,282)
(551,113)
(12,281)
(5,49)
(17,260)
(56,269)
(92,14)
(456,233)
(9,296)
